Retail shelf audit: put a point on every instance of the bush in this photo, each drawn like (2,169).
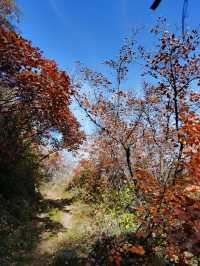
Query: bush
(125,250)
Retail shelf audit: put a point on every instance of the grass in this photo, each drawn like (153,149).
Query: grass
(64,230)
(55,214)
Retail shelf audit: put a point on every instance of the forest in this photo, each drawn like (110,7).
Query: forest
(126,191)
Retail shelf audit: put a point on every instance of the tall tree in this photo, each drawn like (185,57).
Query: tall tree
(35,91)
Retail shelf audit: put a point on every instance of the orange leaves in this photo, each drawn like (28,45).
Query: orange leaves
(140,209)
(116,254)
(154,142)
(154,99)
(182,141)
(42,92)
(139,250)
(173,252)
(192,191)
(94,109)
(135,249)
(147,182)
(86,103)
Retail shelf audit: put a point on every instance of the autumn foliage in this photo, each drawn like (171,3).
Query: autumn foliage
(35,115)
(151,141)
(36,92)
(145,143)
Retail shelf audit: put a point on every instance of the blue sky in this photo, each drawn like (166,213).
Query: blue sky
(92,30)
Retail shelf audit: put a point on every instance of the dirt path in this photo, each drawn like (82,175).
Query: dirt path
(52,239)
(68,226)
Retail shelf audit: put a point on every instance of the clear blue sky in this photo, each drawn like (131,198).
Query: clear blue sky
(92,30)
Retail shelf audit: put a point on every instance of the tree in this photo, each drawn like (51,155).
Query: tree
(35,98)
(154,139)
(9,13)
(117,113)
(36,93)
(170,116)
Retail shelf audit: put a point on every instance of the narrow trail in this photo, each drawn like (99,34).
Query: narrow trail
(51,240)
(67,225)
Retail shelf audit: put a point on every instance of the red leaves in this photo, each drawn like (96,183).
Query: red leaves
(180,214)
(43,91)
(116,258)
(154,141)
